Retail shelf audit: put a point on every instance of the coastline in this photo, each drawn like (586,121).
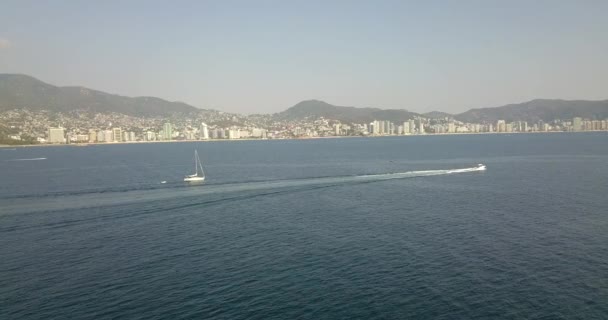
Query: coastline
(5,147)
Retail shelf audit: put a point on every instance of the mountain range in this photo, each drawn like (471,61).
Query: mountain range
(313,109)
(26,92)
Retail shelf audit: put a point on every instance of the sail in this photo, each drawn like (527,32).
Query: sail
(200,165)
(197,176)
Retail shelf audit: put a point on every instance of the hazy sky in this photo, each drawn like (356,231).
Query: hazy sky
(265,56)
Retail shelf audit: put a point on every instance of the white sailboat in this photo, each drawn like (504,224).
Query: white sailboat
(199,174)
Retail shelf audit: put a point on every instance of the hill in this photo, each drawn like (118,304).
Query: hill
(437,115)
(312,109)
(25,92)
(540,109)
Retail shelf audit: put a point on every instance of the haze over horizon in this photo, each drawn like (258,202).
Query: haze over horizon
(265,57)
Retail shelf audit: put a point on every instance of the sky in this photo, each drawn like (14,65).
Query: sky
(265,56)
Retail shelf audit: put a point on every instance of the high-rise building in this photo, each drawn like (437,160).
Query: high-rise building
(451,127)
(92,136)
(56,135)
(501,126)
(82,138)
(108,136)
(204,132)
(412,125)
(116,134)
(420,126)
(541,125)
(337,129)
(577,124)
(167,131)
(233,134)
(150,136)
(406,127)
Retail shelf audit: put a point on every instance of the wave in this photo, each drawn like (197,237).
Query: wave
(202,191)
(31,159)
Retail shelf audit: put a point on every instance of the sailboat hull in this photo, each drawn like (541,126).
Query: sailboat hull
(194,179)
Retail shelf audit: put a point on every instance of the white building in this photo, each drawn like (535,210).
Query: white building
(116,134)
(108,136)
(204,132)
(56,135)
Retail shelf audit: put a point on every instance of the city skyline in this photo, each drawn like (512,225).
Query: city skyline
(262,57)
(186,129)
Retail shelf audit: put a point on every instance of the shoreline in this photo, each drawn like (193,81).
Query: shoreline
(85,144)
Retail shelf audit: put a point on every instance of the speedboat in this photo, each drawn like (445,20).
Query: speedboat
(481,167)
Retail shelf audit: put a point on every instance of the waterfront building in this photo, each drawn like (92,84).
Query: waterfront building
(92,136)
(501,126)
(107,136)
(204,132)
(167,131)
(406,127)
(82,138)
(150,136)
(56,135)
(420,126)
(375,127)
(577,124)
(116,134)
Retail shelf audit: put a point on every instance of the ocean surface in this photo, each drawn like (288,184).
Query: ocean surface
(354,228)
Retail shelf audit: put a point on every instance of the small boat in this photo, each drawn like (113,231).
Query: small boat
(199,175)
(481,167)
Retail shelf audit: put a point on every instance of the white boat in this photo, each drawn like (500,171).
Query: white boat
(481,167)
(199,174)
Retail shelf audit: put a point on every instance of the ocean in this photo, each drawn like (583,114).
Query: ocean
(353,228)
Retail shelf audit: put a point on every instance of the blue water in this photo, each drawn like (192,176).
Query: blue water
(314,229)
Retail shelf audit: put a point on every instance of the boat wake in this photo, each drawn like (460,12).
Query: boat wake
(205,193)
(31,159)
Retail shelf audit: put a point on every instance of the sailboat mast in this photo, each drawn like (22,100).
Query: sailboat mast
(195,162)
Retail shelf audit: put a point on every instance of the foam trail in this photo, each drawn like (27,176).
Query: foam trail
(32,159)
(202,190)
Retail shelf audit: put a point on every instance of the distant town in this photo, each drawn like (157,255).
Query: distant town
(40,127)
